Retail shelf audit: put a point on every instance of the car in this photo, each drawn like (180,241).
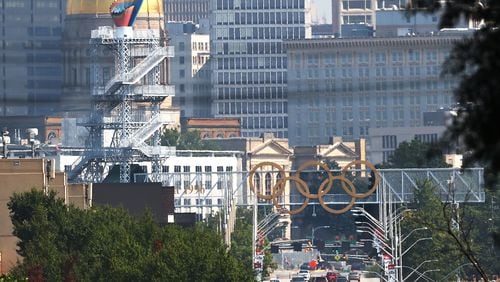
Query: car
(354,276)
(304,273)
(319,279)
(274,280)
(331,276)
(341,279)
(298,279)
(305,266)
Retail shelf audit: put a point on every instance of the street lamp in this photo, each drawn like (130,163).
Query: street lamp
(455,270)
(386,248)
(423,273)
(414,243)
(427,278)
(316,228)
(417,229)
(415,269)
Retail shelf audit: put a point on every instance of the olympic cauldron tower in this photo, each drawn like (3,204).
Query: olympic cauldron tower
(125,118)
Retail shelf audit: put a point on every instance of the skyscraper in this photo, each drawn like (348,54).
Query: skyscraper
(249,62)
(30,56)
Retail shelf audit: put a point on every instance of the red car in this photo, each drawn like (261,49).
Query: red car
(331,276)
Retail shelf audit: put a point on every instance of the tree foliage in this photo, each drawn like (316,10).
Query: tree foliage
(63,243)
(415,154)
(458,236)
(189,140)
(475,62)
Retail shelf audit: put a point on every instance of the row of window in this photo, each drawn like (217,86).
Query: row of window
(271,32)
(244,93)
(198,202)
(271,77)
(259,4)
(362,58)
(273,122)
(256,18)
(243,63)
(407,72)
(251,107)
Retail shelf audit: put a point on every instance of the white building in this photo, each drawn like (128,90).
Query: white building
(205,182)
(249,61)
(190,70)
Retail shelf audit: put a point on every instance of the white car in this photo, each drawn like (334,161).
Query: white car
(305,273)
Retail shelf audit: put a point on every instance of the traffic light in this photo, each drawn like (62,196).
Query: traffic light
(275,249)
(297,246)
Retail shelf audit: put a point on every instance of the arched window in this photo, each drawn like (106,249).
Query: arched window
(281,187)
(256,181)
(268,183)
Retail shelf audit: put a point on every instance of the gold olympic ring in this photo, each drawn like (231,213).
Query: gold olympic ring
(375,182)
(303,188)
(311,163)
(277,191)
(322,192)
(252,174)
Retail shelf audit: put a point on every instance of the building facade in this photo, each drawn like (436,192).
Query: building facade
(351,12)
(249,60)
(213,127)
(186,10)
(23,175)
(345,87)
(31,63)
(384,141)
(190,69)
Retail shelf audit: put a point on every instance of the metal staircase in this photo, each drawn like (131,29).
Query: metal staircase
(120,107)
(137,72)
(144,132)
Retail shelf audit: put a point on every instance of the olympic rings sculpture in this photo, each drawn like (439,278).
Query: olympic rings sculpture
(323,189)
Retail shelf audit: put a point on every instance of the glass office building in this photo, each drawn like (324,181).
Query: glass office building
(249,61)
(30,56)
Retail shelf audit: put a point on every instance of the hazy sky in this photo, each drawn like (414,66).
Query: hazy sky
(323,8)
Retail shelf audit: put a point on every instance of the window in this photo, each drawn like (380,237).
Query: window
(389,141)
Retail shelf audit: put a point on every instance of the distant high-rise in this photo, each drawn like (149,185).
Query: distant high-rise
(30,56)
(82,17)
(186,10)
(189,69)
(346,87)
(249,61)
(348,12)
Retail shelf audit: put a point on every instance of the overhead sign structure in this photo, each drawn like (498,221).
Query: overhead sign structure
(324,188)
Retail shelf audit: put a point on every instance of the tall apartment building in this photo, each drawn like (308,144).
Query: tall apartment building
(344,87)
(186,10)
(249,60)
(30,56)
(83,16)
(190,69)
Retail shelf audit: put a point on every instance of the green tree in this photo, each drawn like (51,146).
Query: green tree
(63,243)
(415,154)
(457,231)
(189,140)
